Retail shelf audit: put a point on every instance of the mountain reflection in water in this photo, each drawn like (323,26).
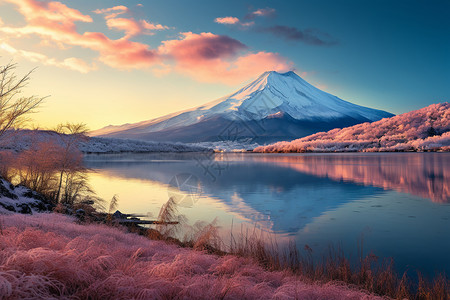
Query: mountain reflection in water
(399,201)
(284,192)
(422,174)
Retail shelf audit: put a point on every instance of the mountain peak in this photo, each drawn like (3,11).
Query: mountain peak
(283,98)
(268,74)
(266,80)
(288,73)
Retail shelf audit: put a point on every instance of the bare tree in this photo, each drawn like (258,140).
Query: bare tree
(70,158)
(14,107)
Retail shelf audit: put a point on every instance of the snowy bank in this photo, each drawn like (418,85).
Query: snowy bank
(228,146)
(23,139)
(112,145)
(49,256)
(21,199)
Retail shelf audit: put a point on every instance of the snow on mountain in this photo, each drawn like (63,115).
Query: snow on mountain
(274,106)
(420,130)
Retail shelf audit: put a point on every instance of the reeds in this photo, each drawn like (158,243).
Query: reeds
(369,273)
(48,256)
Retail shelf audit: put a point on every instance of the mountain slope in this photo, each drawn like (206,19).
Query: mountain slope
(276,106)
(424,129)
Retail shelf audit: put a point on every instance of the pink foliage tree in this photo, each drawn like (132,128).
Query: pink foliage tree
(420,130)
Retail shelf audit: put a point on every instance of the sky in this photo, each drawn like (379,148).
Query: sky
(114,62)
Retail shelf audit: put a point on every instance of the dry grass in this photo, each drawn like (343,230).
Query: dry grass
(48,256)
(370,273)
(52,170)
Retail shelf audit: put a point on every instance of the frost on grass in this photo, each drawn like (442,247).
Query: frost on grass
(111,145)
(49,256)
(420,130)
(23,139)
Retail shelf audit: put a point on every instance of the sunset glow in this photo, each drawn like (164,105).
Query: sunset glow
(105,63)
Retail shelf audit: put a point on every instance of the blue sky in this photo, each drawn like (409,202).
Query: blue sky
(390,55)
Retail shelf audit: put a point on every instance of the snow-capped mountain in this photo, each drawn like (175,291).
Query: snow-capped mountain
(276,106)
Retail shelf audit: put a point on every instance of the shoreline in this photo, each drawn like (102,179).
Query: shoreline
(337,269)
(320,278)
(262,152)
(43,249)
(50,243)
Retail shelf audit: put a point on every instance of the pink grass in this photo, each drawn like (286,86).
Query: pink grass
(49,256)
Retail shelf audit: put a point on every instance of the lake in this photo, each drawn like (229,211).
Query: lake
(398,204)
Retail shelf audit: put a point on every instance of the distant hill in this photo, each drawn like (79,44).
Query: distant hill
(420,130)
(20,140)
(274,107)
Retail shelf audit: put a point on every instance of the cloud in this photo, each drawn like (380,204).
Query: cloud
(213,58)
(121,53)
(50,11)
(205,56)
(234,21)
(56,22)
(130,26)
(201,47)
(77,64)
(71,63)
(227,20)
(112,12)
(133,27)
(308,36)
(261,12)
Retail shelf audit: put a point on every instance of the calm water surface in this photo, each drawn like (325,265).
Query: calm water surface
(398,203)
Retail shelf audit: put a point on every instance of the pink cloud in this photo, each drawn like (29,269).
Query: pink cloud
(205,57)
(121,53)
(213,58)
(133,27)
(112,12)
(263,12)
(130,26)
(227,20)
(50,11)
(55,21)
(201,47)
(234,21)
(247,24)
